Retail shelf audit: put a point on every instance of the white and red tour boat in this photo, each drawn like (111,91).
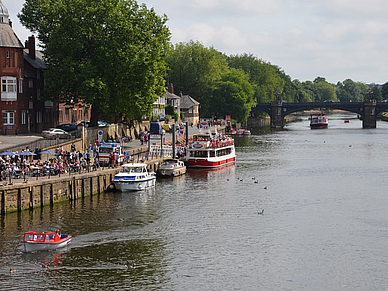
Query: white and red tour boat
(209,150)
(318,121)
(43,241)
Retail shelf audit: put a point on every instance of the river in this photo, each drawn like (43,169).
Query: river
(324,225)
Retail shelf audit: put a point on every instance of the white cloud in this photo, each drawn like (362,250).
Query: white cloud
(337,39)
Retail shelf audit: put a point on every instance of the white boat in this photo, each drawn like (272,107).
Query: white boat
(36,241)
(134,177)
(318,121)
(171,168)
(210,151)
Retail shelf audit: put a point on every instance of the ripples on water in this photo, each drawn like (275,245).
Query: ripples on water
(324,227)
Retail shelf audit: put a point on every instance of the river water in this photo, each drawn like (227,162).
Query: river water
(324,225)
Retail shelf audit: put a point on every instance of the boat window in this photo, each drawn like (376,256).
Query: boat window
(199,154)
(50,237)
(28,237)
(39,237)
(105,150)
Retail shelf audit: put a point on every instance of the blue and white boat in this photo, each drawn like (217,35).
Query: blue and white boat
(134,177)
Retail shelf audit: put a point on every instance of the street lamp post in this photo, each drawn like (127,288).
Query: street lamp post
(277,93)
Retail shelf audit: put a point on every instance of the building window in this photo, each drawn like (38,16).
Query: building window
(60,116)
(67,115)
(7,54)
(80,114)
(30,83)
(8,89)
(23,117)
(86,114)
(20,86)
(39,117)
(8,117)
(74,116)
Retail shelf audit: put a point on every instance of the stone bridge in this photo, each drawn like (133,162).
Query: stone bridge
(368,110)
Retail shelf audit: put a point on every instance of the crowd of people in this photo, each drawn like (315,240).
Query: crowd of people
(20,166)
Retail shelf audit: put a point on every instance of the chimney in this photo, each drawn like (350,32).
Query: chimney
(30,45)
(170,88)
(10,22)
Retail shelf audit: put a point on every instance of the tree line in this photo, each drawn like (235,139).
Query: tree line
(116,55)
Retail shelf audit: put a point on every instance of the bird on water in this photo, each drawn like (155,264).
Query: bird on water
(261,212)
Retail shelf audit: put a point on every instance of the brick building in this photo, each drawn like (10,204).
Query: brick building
(12,101)
(22,85)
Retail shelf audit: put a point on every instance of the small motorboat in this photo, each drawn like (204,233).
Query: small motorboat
(171,168)
(43,241)
(134,177)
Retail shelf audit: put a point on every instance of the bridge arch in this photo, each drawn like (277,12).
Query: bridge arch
(368,110)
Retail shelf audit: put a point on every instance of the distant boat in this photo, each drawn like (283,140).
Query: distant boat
(318,121)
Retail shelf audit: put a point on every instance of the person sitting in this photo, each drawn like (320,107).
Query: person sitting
(58,232)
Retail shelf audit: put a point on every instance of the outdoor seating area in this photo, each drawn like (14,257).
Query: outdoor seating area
(21,165)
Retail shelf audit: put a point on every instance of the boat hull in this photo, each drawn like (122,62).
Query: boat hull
(171,172)
(38,246)
(319,126)
(138,185)
(209,163)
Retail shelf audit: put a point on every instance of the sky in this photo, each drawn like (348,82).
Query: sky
(334,39)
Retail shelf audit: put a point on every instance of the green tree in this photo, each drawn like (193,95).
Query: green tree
(170,109)
(374,93)
(107,53)
(194,70)
(264,77)
(301,95)
(233,95)
(384,91)
(324,91)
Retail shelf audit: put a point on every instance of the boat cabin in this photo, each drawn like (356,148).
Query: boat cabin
(51,237)
(133,168)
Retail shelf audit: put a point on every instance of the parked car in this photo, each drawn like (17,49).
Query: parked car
(68,127)
(55,132)
(102,123)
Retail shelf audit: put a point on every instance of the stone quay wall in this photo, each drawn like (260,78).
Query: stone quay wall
(43,192)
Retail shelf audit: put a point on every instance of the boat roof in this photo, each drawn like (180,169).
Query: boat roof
(135,165)
(171,160)
(37,232)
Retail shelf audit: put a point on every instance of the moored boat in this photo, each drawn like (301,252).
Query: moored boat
(318,121)
(210,151)
(134,177)
(171,168)
(43,241)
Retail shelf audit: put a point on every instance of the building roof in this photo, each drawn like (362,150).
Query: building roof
(8,38)
(171,95)
(38,62)
(188,102)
